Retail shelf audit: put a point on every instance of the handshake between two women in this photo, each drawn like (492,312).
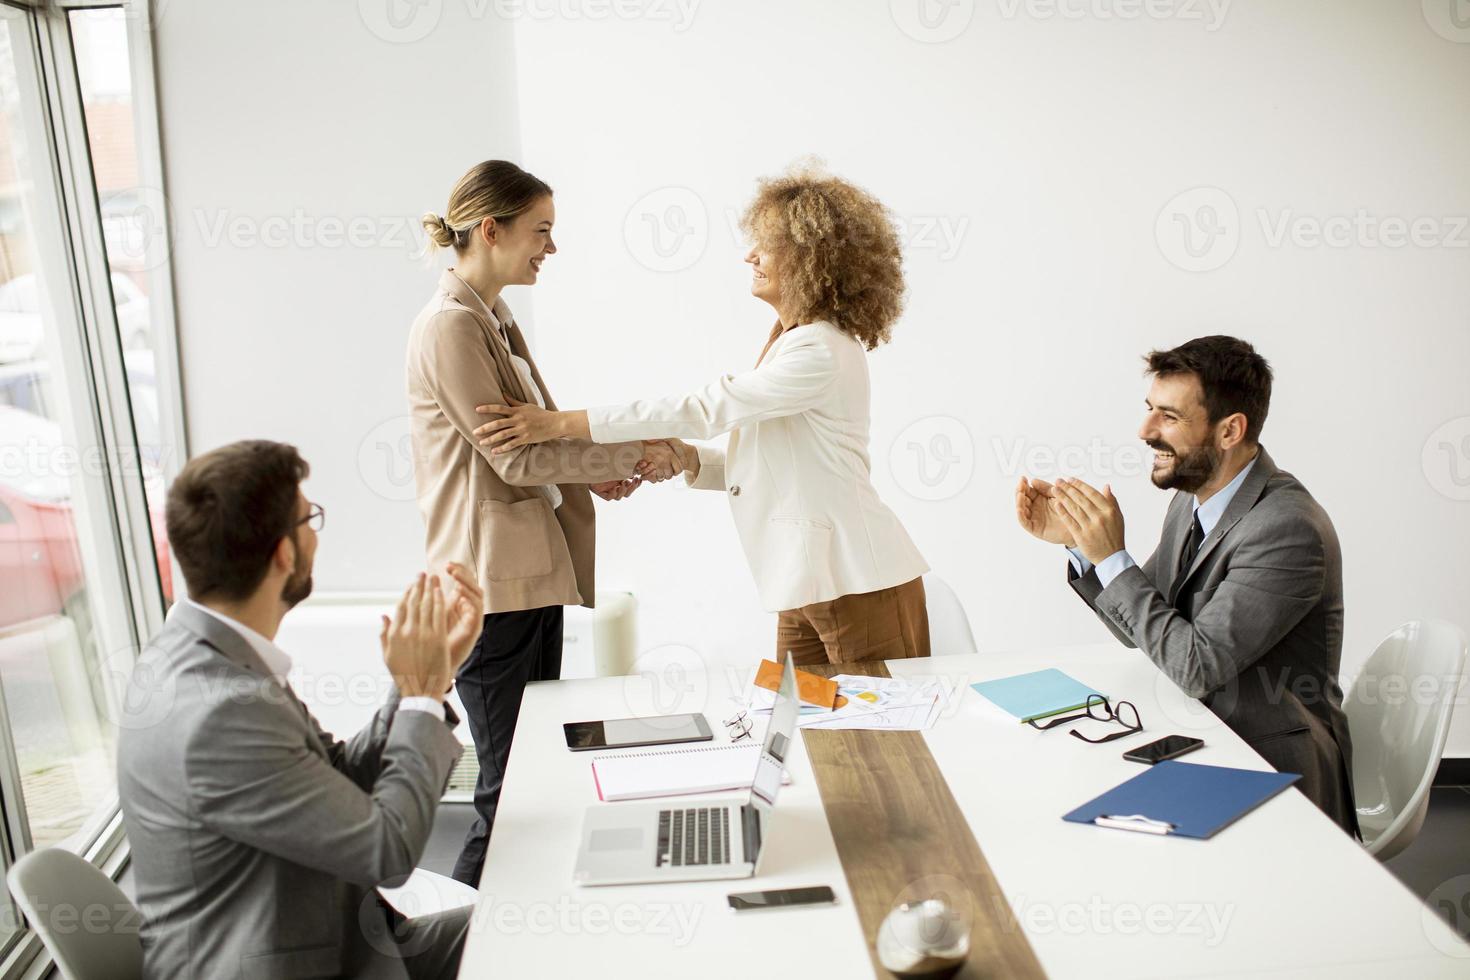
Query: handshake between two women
(520,424)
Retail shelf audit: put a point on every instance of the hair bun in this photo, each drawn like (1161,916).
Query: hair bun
(440,234)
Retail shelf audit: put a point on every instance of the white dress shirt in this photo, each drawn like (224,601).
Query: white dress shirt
(1209,514)
(278,662)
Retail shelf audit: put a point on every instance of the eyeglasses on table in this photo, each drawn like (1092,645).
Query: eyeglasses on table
(1098,709)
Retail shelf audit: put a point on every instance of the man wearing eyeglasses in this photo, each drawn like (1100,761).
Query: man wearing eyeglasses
(258,839)
(1241,603)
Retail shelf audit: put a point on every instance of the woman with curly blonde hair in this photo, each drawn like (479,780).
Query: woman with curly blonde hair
(825,551)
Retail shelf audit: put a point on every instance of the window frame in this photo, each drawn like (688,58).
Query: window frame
(93,361)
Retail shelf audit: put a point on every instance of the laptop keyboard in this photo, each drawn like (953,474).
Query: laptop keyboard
(697,836)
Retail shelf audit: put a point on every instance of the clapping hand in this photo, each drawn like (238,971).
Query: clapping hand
(466,615)
(1091,517)
(1035,514)
(416,641)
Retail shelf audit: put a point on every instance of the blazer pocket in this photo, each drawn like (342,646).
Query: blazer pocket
(1284,750)
(802,522)
(515,539)
(1275,736)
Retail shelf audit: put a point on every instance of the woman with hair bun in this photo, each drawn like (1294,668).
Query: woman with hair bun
(522,520)
(825,551)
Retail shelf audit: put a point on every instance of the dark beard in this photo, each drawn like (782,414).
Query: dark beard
(1191,471)
(298,586)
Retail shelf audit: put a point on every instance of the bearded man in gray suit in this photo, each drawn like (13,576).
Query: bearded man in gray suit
(257,838)
(1241,603)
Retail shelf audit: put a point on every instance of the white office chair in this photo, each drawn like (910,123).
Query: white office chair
(1398,713)
(949,627)
(427,893)
(89,926)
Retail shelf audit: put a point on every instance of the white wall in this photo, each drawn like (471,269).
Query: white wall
(1032,158)
(302,141)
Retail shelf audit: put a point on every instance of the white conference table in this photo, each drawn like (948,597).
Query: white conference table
(1283,892)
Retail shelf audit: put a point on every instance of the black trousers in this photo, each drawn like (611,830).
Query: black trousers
(514,648)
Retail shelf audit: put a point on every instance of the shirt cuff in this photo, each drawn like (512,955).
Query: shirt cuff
(433,706)
(1112,566)
(1080,564)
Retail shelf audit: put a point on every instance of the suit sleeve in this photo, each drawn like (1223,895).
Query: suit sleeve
(1089,587)
(711,469)
(1274,579)
(792,381)
(255,780)
(458,369)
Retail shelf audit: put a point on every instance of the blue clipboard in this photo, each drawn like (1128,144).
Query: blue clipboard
(1183,799)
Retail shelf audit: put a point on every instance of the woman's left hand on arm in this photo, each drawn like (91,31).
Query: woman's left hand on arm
(521,424)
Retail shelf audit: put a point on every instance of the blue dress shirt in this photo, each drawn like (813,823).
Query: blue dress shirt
(1209,514)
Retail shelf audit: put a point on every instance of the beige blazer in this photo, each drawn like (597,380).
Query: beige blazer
(796,467)
(483,510)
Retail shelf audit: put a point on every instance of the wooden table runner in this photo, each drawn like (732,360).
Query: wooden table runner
(901,837)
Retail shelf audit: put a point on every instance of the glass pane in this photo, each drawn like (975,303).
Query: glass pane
(135,240)
(50,540)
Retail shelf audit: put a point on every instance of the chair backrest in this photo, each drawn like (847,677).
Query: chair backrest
(87,923)
(949,627)
(1398,712)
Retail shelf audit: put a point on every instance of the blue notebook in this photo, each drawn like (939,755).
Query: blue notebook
(1038,694)
(1183,798)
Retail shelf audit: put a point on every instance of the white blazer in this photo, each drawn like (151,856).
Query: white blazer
(796,468)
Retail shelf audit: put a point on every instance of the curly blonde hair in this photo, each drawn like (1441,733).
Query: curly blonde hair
(836,251)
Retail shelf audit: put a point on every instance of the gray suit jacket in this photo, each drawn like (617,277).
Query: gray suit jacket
(1253,627)
(256,837)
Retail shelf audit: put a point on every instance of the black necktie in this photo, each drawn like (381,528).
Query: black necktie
(1191,548)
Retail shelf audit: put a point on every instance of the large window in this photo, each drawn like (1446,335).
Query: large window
(89,426)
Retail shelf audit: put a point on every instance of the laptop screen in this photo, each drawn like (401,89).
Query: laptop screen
(778,742)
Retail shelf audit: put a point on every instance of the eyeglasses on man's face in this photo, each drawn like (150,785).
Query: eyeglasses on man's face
(316,516)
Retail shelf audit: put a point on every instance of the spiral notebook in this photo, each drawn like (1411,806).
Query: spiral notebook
(677,772)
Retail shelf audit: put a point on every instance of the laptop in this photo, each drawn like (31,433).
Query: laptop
(722,838)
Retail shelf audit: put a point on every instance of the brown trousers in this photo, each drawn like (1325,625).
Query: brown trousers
(890,624)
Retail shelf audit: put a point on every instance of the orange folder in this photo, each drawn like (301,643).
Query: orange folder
(809,687)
